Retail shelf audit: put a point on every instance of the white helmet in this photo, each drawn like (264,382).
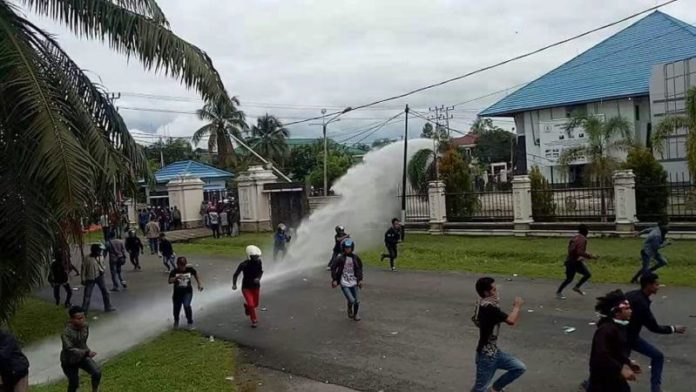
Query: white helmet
(253,250)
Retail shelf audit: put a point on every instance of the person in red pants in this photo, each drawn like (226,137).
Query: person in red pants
(251,282)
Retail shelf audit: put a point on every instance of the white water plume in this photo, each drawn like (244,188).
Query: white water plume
(368,200)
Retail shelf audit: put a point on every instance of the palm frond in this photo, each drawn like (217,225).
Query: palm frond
(134,34)
(420,170)
(570,155)
(665,128)
(207,129)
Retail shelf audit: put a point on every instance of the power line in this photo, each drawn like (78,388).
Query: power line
(372,128)
(486,68)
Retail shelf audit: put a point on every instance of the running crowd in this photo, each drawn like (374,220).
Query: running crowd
(622,316)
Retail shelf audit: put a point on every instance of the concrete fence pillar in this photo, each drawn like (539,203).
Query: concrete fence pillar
(522,203)
(437,206)
(254,204)
(186,193)
(625,200)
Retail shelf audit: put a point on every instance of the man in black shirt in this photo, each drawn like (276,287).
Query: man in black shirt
(167,251)
(338,239)
(488,316)
(643,317)
(391,238)
(180,277)
(251,282)
(610,365)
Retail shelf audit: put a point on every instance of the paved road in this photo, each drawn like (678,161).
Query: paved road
(416,333)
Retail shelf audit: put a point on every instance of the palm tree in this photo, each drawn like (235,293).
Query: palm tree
(604,140)
(224,122)
(670,124)
(63,146)
(269,139)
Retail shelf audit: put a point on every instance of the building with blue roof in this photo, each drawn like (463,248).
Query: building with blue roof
(215,180)
(611,79)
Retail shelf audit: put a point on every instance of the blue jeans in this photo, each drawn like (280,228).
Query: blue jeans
(661,261)
(657,361)
(116,275)
(486,366)
(153,245)
(184,299)
(169,262)
(351,294)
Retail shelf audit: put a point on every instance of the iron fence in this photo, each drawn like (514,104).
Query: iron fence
(675,199)
(417,207)
(479,206)
(573,204)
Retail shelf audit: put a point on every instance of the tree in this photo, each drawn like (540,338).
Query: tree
(493,145)
(379,143)
(269,139)
(543,205)
(604,140)
(428,131)
(337,165)
(169,151)
(460,201)
(671,124)
(421,169)
(64,148)
(224,122)
(652,193)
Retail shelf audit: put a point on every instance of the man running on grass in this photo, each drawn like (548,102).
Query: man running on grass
(577,252)
(391,238)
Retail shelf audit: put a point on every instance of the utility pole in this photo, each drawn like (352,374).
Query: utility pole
(403,175)
(326,158)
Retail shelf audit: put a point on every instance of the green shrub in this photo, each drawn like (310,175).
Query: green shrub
(543,205)
(652,191)
(461,201)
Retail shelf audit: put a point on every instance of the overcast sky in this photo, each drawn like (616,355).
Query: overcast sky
(290,58)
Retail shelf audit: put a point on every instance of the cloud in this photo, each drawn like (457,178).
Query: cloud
(307,54)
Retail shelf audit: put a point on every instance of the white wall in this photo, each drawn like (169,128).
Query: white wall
(528,123)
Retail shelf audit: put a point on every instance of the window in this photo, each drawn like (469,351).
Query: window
(576,110)
(637,112)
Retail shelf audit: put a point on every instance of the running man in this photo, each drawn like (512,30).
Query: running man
(338,238)
(610,365)
(167,251)
(280,240)
(643,317)
(252,268)
(134,247)
(183,290)
(391,238)
(347,271)
(93,275)
(58,277)
(577,252)
(75,354)
(656,240)
(489,358)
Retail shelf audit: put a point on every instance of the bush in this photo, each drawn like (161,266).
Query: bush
(652,192)
(543,205)
(461,201)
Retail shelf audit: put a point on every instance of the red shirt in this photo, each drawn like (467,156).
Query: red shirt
(577,249)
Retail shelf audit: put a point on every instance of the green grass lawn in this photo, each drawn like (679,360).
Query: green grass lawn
(537,257)
(526,256)
(175,361)
(226,246)
(37,319)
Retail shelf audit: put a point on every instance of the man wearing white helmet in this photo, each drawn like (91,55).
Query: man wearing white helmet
(280,239)
(251,282)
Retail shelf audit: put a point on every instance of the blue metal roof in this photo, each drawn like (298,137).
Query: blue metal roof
(617,67)
(191,168)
